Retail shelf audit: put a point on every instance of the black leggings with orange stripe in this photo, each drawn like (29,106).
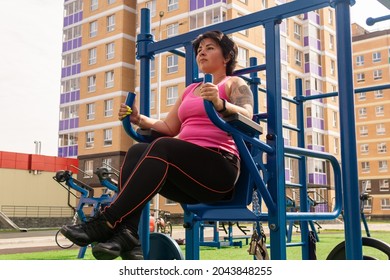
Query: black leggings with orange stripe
(178,170)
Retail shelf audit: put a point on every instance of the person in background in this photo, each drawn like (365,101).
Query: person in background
(201,165)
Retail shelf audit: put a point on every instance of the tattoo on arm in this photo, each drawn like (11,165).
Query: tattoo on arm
(241,96)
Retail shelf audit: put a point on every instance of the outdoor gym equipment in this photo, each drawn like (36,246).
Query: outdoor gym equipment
(268,179)
(85,198)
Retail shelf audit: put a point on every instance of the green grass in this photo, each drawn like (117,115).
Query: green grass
(328,240)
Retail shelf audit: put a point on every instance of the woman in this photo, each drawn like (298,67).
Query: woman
(201,165)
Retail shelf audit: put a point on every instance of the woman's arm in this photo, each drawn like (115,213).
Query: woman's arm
(240,96)
(170,126)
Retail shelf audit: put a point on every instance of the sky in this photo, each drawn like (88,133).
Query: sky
(30,70)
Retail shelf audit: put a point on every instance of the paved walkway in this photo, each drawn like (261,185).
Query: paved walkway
(44,240)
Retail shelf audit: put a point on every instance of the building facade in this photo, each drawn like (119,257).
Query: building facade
(371,64)
(98,71)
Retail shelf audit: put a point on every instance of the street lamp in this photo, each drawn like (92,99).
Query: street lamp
(158,109)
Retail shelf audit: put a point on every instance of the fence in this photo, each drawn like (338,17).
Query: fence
(37,211)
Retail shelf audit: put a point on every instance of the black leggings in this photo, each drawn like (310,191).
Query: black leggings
(178,170)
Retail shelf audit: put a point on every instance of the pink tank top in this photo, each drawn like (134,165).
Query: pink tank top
(196,126)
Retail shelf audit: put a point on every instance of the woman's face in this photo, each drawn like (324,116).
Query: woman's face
(209,56)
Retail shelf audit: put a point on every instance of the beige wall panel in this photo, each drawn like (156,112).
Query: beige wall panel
(22,188)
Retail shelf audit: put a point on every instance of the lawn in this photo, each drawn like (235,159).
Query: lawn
(328,240)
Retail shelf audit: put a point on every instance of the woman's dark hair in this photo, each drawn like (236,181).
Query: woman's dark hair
(229,48)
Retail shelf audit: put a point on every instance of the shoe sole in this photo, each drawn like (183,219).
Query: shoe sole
(71,238)
(101,253)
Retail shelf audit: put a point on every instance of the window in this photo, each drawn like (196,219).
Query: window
(172,63)
(172,95)
(298,57)
(362,96)
(330,17)
(93,28)
(332,67)
(242,57)
(336,145)
(89,139)
(153,67)
(173,5)
(92,56)
(363,131)
(378,74)
(362,112)
(380,129)
(379,110)
(264,3)
(208,17)
(109,79)
(381,148)
(331,41)
(108,107)
(110,50)
(91,83)
(334,119)
(364,148)
(359,60)
(366,185)
(90,111)
(297,31)
(110,23)
(376,57)
(384,185)
(151,5)
(382,165)
(88,168)
(365,166)
(152,99)
(245,31)
(94,5)
(360,77)
(107,163)
(385,203)
(110,2)
(378,93)
(107,137)
(172,29)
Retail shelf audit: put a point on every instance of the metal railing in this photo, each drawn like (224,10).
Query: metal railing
(37,211)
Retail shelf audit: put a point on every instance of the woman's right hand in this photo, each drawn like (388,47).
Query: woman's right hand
(125,110)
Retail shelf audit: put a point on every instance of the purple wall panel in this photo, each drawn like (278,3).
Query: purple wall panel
(309,122)
(74,69)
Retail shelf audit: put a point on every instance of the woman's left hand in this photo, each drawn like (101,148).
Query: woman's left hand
(209,91)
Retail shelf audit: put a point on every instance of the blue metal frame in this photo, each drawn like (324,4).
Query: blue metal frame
(275,195)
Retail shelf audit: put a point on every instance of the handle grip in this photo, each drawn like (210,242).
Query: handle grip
(126,121)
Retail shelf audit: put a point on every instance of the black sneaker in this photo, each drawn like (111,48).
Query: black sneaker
(94,230)
(123,243)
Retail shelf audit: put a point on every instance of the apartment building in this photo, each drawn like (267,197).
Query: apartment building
(99,67)
(371,58)
(98,71)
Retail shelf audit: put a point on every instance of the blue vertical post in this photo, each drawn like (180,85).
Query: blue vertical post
(275,161)
(353,235)
(254,84)
(143,40)
(302,168)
